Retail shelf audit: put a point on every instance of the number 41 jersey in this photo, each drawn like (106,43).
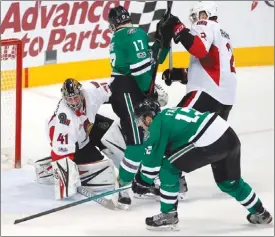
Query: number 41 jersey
(214,74)
(66,130)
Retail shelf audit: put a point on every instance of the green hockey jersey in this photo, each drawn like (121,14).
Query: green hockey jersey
(171,129)
(131,55)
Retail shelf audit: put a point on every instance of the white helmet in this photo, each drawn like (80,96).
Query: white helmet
(209,7)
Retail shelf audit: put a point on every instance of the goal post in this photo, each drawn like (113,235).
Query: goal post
(11,101)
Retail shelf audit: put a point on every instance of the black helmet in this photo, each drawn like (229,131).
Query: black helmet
(149,107)
(71,93)
(118,16)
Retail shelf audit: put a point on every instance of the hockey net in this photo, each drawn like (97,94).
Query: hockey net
(11,103)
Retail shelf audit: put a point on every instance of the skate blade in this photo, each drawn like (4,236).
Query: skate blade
(267,222)
(174,227)
(182,196)
(123,207)
(145,196)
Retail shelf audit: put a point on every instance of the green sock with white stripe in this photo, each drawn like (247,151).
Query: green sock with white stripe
(243,193)
(169,188)
(130,164)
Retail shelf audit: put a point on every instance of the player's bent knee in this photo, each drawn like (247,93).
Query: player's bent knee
(98,175)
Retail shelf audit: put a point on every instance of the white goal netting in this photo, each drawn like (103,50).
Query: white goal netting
(8,104)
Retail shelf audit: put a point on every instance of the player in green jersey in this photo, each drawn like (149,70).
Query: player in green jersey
(183,140)
(132,62)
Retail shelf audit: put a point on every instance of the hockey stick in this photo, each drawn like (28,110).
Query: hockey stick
(166,16)
(82,190)
(71,205)
(108,203)
(170,58)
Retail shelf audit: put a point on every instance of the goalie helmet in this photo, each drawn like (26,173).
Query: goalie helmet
(71,93)
(149,107)
(118,16)
(209,7)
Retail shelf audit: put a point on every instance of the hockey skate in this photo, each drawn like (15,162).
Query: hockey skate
(124,200)
(183,189)
(260,218)
(163,222)
(153,193)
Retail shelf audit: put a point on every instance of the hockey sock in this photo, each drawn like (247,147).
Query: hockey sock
(169,187)
(130,164)
(243,193)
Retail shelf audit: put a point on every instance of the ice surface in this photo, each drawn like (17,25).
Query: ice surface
(206,212)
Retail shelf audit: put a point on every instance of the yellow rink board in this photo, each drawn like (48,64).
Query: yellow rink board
(96,69)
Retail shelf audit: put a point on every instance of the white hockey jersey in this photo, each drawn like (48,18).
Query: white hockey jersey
(214,74)
(65,129)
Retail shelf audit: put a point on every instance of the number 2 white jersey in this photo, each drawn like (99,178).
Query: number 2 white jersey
(214,74)
(66,129)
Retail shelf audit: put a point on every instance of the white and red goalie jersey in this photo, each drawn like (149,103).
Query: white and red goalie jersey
(211,66)
(66,128)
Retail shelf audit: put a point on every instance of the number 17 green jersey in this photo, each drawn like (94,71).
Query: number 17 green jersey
(131,55)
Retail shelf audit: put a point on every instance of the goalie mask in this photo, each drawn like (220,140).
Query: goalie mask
(71,93)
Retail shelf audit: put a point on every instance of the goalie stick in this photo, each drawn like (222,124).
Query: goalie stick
(17,221)
(108,203)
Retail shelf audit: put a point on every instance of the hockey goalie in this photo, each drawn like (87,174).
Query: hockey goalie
(75,133)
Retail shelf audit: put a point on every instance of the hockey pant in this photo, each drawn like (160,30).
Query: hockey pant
(125,96)
(91,152)
(203,102)
(224,149)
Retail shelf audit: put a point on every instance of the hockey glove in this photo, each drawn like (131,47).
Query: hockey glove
(139,186)
(173,27)
(176,74)
(161,36)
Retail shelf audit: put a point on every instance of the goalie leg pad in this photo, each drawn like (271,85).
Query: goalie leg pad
(114,142)
(43,170)
(98,176)
(66,178)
